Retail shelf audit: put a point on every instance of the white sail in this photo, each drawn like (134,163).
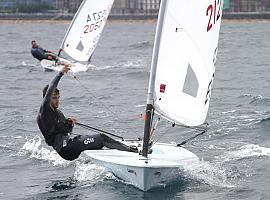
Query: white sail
(186,59)
(85,29)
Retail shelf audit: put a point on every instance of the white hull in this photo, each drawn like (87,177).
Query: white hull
(49,65)
(164,164)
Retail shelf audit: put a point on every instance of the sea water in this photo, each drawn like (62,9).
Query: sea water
(234,153)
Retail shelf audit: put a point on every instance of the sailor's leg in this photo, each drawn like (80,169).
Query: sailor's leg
(51,56)
(113,144)
(78,144)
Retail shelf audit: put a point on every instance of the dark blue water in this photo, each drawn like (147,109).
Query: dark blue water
(234,152)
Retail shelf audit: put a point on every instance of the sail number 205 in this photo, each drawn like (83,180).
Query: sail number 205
(213,11)
(94,21)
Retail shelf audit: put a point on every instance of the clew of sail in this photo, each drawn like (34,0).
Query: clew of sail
(85,29)
(186,60)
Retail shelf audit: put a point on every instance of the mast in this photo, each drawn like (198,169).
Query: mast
(150,95)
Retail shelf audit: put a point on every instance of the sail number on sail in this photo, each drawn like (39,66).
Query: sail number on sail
(213,11)
(94,21)
(210,85)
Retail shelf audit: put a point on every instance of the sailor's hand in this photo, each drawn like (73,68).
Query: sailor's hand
(65,69)
(72,121)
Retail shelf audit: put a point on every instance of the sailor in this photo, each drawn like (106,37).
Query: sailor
(40,53)
(57,129)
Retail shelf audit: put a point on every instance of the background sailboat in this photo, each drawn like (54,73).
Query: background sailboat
(181,78)
(82,35)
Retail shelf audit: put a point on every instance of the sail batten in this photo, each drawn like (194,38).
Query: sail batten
(185,63)
(85,29)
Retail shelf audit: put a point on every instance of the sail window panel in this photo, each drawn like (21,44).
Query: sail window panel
(191,84)
(80,46)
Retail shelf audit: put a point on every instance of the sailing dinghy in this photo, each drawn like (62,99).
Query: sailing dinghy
(181,79)
(82,36)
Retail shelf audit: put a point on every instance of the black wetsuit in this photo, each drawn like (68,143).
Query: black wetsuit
(40,54)
(56,130)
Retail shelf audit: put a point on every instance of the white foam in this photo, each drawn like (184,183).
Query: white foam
(215,147)
(258,97)
(246,151)
(127,64)
(34,147)
(89,172)
(3,146)
(140,105)
(23,63)
(212,174)
(104,67)
(17,137)
(136,64)
(229,111)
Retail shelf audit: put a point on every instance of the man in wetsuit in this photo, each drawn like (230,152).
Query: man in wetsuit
(56,128)
(40,53)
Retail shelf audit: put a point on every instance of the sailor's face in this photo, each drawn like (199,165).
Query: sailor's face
(34,44)
(55,100)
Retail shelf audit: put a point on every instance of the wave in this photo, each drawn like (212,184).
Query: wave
(126,64)
(245,96)
(6,148)
(142,45)
(134,64)
(245,152)
(85,175)
(90,172)
(86,172)
(140,106)
(265,120)
(259,100)
(34,147)
(98,68)
(209,173)
(60,185)
(229,111)
(255,99)
(25,65)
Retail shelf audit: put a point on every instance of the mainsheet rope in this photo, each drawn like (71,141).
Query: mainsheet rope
(91,94)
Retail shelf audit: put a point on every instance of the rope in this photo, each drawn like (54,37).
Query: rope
(154,127)
(203,129)
(91,94)
(191,138)
(97,130)
(87,90)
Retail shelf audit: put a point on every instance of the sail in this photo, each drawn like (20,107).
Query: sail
(186,59)
(85,29)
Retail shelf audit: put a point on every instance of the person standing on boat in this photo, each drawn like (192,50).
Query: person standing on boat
(56,128)
(40,53)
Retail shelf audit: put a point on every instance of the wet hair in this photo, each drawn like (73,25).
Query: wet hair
(56,91)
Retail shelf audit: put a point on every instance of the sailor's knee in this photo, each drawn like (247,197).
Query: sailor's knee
(69,157)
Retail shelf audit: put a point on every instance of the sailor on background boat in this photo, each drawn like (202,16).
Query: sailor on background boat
(40,53)
(56,128)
